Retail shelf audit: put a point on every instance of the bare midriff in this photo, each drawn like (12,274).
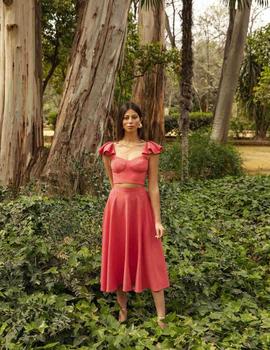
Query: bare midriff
(127,185)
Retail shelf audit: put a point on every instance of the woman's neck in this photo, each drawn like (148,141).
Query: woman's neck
(130,139)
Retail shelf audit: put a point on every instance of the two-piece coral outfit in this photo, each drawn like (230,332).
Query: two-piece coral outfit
(132,257)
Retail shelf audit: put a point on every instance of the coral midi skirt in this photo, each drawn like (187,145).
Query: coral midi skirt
(132,257)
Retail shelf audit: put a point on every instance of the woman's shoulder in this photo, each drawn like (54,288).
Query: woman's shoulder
(107,148)
(152,147)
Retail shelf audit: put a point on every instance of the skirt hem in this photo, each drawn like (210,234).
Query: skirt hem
(134,290)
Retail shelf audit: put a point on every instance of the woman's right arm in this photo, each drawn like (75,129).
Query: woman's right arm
(107,166)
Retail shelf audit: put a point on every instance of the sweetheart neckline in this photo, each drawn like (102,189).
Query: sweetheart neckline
(128,160)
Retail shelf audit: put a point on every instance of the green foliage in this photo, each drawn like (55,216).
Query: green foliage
(58,22)
(197,120)
(51,119)
(240,126)
(49,262)
(138,60)
(198,115)
(207,159)
(262,90)
(217,251)
(256,60)
(259,45)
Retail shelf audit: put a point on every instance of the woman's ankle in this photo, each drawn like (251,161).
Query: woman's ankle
(160,321)
(123,308)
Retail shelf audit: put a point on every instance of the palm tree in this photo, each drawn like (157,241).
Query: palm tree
(233,56)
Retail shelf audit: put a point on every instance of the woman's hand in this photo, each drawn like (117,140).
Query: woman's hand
(159,230)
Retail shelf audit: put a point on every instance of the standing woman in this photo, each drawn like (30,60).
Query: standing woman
(132,252)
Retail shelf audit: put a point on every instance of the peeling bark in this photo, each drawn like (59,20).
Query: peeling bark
(21,136)
(148,91)
(88,92)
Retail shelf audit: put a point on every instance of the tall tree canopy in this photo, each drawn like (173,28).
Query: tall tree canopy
(58,22)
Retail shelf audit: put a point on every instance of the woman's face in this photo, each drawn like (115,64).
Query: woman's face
(131,121)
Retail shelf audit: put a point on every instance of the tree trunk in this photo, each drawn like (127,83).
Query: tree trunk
(21,134)
(88,92)
(54,64)
(262,123)
(169,32)
(148,91)
(186,75)
(233,56)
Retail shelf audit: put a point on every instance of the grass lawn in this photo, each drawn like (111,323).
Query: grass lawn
(256,159)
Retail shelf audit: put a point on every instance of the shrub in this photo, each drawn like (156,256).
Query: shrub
(207,159)
(197,121)
(240,126)
(51,119)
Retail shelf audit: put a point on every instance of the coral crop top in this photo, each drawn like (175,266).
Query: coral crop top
(132,170)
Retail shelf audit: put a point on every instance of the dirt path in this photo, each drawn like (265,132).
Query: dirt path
(256,159)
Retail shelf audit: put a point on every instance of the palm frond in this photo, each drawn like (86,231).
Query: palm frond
(244,3)
(263,3)
(151,3)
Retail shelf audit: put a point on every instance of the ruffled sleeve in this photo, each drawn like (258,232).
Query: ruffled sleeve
(152,147)
(107,148)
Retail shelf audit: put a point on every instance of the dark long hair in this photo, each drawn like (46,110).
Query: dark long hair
(120,132)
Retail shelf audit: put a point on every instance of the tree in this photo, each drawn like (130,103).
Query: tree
(233,56)
(262,90)
(21,133)
(148,90)
(139,61)
(262,96)
(58,21)
(252,89)
(88,91)
(170,29)
(209,41)
(186,83)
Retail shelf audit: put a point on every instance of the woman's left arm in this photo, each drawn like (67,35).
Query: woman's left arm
(153,190)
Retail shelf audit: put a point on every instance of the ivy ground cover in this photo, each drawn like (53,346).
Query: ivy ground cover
(217,249)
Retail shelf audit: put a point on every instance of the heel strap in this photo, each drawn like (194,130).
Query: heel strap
(160,317)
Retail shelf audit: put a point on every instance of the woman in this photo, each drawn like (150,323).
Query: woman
(132,252)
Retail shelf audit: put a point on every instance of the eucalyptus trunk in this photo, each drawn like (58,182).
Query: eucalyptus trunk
(186,75)
(88,92)
(148,91)
(233,57)
(21,134)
